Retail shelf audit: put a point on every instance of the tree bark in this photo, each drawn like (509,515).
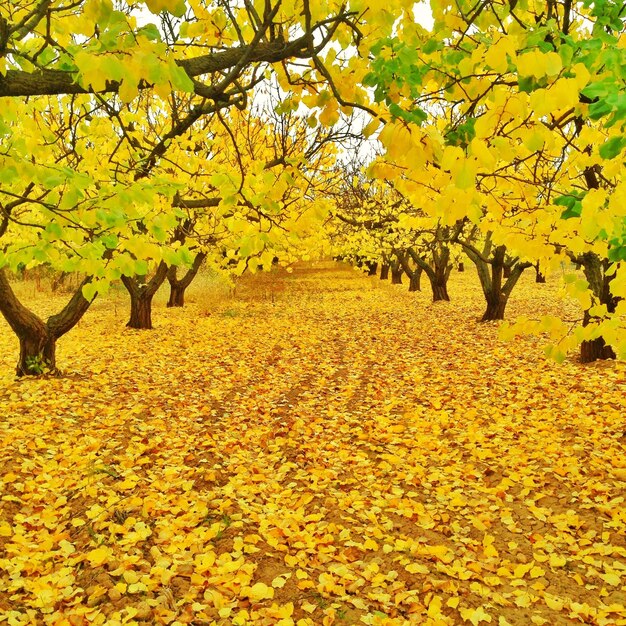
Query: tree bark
(440,289)
(496,305)
(461,267)
(594,349)
(141,295)
(396,273)
(179,286)
(539,276)
(438,273)
(414,274)
(38,338)
(595,272)
(384,271)
(415,280)
(490,266)
(372,268)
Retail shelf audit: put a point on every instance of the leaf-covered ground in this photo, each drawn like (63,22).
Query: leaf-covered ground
(323,448)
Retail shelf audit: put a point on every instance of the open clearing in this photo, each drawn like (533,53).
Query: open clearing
(321,448)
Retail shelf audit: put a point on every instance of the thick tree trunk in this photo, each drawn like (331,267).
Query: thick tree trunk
(415,280)
(396,274)
(506,271)
(438,273)
(595,350)
(440,289)
(140,310)
(372,268)
(37,353)
(38,338)
(141,295)
(179,286)
(177,295)
(384,271)
(496,305)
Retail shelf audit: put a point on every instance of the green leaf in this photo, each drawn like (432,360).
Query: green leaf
(8,174)
(611,148)
(90,291)
(180,80)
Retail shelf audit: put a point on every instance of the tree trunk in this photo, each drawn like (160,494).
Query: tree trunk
(539,277)
(440,288)
(141,295)
(140,310)
(438,274)
(496,305)
(600,284)
(179,286)
(415,280)
(58,281)
(372,268)
(595,350)
(38,338)
(37,353)
(384,271)
(491,270)
(396,274)
(177,295)
(461,267)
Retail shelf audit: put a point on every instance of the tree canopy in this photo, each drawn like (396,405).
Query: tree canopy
(129,136)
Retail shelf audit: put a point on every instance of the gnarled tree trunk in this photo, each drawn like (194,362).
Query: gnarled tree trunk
(384,271)
(492,269)
(179,286)
(372,268)
(141,295)
(437,273)
(414,274)
(38,338)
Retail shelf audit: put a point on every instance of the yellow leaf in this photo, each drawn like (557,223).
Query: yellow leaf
(371,128)
(98,556)
(475,615)
(279,582)
(612,579)
(466,176)
(434,607)
(557,560)
(259,591)
(5,529)
(416,568)
(554,603)
(308,607)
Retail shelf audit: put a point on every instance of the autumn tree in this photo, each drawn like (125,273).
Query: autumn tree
(85,187)
(511,116)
